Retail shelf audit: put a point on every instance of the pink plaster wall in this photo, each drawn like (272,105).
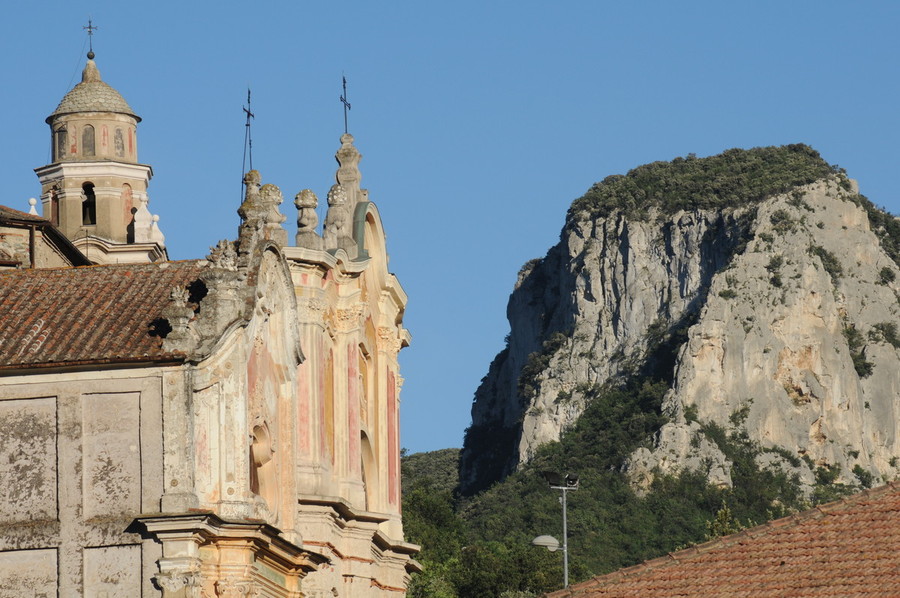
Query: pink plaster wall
(354,454)
(393,443)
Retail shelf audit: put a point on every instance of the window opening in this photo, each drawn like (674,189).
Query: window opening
(89,205)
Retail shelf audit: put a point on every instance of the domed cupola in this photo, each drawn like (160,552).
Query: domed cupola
(94,189)
(93,121)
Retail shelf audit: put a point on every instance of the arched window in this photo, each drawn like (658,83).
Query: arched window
(87,141)
(61,141)
(120,144)
(88,205)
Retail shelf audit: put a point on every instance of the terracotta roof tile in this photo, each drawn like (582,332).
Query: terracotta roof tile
(88,314)
(11,214)
(848,548)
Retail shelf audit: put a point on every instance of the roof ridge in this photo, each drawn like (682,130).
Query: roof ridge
(161,265)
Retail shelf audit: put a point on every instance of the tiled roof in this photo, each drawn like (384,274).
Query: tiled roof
(11,214)
(849,548)
(92,95)
(92,314)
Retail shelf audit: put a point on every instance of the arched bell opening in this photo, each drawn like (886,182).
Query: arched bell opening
(88,205)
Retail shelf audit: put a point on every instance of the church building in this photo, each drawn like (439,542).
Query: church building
(216,427)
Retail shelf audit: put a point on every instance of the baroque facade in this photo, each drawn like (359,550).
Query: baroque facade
(216,427)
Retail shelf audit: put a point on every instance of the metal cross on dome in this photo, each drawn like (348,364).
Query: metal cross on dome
(91,28)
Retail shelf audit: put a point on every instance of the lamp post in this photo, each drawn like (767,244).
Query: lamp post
(564,484)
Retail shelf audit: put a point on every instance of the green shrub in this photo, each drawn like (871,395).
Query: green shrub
(829,261)
(733,178)
(796,200)
(886,275)
(782,222)
(856,344)
(774,268)
(887,331)
(885,225)
(865,477)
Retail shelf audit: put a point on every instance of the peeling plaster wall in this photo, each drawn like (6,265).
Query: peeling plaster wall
(80,457)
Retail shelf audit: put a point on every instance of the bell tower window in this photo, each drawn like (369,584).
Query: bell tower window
(61,142)
(88,205)
(87,140)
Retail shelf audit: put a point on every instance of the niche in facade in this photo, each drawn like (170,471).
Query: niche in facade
(87,141)
(120,144)
(62,139)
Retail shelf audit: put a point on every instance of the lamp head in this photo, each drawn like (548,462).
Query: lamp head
(548,542)
(553,478)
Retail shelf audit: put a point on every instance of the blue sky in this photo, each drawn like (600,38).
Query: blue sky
(479,123)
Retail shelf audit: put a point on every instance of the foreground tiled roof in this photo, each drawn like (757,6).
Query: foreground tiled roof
(93,314)
(7,213)
(849,548)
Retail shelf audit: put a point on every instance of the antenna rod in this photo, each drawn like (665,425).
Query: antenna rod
(345,103)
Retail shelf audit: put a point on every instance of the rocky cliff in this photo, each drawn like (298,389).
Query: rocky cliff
(757,284)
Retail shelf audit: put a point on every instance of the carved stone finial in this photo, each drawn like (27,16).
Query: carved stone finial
(223,255)
(156,235)
(252,179)
(337,232)
(179,296)
(251,194)
(259,214)
(348,175)
(306,199)
(143,222)
(269,199)
(178,313)
(337,196)
(307,220)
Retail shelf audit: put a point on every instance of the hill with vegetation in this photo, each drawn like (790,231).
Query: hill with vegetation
(711,344)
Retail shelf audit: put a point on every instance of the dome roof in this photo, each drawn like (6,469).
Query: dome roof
(92,95)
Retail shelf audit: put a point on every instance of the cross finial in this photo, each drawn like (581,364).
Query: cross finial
(248,142)
(248,138)
(90,29)
(345,103)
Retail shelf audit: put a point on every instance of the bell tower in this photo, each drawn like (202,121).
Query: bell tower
(94,189)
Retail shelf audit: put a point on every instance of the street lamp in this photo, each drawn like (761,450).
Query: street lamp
(563,483)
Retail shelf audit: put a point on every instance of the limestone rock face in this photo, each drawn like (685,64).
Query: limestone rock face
(789,310)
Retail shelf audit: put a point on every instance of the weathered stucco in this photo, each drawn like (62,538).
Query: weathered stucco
(254,452)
